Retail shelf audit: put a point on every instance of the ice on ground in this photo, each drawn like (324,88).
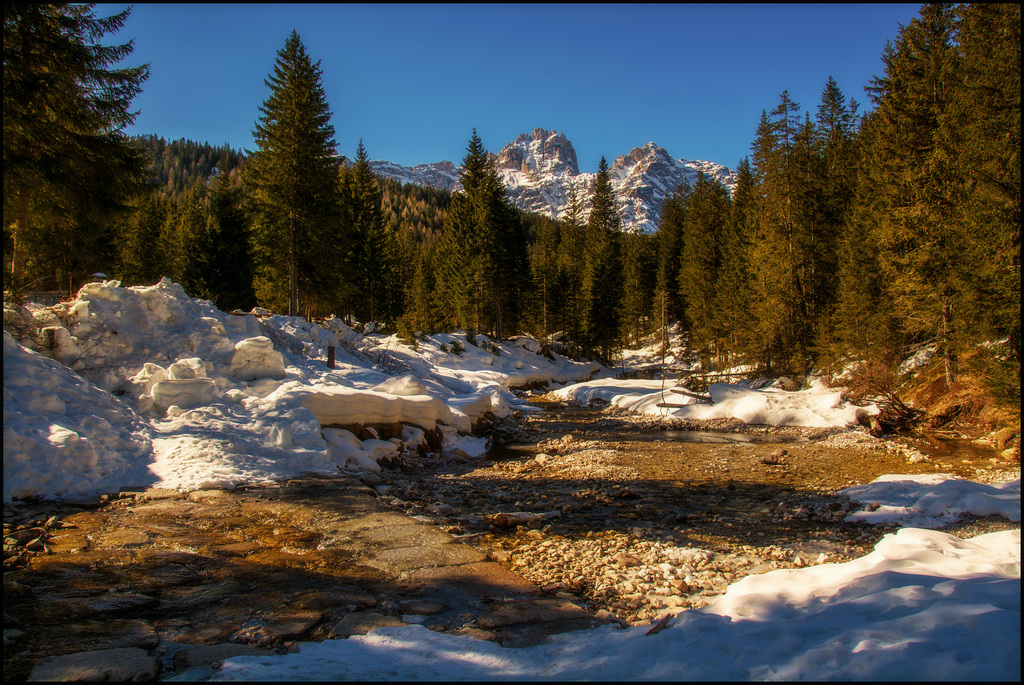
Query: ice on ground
(923,605)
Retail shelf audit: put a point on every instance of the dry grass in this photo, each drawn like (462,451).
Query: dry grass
(968,404)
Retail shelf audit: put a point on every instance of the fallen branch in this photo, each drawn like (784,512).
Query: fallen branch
(660,625)
(703,399)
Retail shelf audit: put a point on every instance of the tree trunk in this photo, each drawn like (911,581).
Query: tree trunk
(947,352)
(17,240)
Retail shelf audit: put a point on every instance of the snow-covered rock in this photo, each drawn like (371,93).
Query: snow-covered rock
(184,393)
(256,358)
(402,385)
(344,406)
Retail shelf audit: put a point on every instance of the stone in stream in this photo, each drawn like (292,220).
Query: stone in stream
(206,655)
(361,623)
(126,664)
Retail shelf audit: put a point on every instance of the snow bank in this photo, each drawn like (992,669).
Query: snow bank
(346,407)
(171,391)
(931,500)
(923,605)
(364,455)
(609,389)
(816,406)
(63,435)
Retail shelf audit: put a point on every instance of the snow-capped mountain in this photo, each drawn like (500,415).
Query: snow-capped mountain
(539,169)
(444,175)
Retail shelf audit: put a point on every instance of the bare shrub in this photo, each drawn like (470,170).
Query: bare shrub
(877,383)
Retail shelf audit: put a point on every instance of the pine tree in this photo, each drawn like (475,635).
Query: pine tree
(482,258)
(295,194)
(373,246)
(602,275)
(68,169)
(835,138)
(917,190)
(670,248)
(548,277)
(792,250)
(141,258)
(815,238)
(984,125)
(421,296)
(706,218)
(770,250)
(231,272)
(196,246)
(571,263)
(732,305)
(836,135)
(865,324)
(459,249)
(639,279)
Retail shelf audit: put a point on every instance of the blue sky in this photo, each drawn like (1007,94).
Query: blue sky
(414,80)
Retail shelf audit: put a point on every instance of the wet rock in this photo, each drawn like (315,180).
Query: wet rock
(110,634)
(371,479)
(475,633)
(207,655)
(292,625)
(127,664)
(211,496)
(203,595)
(123,538)
(501,614)
(335,598)
(1004,438)
(161,493)
(105,603)
(361,623)
(205,633)
(11,635)
(424,607)
(24,536)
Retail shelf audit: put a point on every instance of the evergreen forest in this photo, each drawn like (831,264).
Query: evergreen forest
(850,235)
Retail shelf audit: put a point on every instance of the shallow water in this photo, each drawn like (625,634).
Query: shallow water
(941,446)
(729,438)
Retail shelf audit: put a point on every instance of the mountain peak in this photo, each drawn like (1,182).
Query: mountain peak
(538,169)
(539,152)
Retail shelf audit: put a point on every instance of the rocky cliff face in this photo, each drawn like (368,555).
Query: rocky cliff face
(540,168)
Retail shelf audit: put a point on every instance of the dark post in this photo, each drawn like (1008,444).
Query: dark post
(330,356)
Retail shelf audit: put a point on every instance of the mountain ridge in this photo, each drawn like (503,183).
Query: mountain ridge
(540,168)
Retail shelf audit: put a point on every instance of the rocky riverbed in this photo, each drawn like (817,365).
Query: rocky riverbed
(636,518)
(578,516)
